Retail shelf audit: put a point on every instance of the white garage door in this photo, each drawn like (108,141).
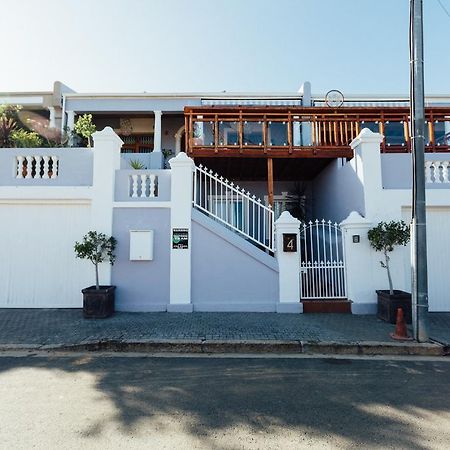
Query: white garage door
(438,246)
(38,267)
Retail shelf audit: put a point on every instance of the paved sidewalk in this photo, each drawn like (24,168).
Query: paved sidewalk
(59,326)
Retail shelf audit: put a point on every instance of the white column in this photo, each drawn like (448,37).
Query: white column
(180,218)
(106,153)
(288,265)
(157,132)
(367,165)
(359,260)
(52,118)
(70,119)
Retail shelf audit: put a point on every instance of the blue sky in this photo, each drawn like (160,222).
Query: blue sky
(357,46)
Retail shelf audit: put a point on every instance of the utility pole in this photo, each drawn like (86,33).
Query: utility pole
(418,225)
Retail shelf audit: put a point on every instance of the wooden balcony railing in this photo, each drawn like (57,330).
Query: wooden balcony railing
(305,132)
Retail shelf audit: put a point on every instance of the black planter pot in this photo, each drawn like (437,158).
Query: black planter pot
(98,303)
(388,305)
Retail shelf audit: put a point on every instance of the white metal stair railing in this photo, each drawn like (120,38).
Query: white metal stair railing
(322,261)
(234,207)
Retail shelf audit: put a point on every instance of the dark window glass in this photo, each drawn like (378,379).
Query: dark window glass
(394,133)
(277,133)
(372,126)
(253,134)
(228,133)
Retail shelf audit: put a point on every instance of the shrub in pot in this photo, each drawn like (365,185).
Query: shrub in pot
(98,300)
(384,238)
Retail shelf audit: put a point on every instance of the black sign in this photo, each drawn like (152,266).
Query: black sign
(289,242)
(180,238)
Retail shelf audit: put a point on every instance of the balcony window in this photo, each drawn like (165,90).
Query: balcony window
(203,133)
(441,137)
(394,133)
(253,133)
(372,126)
(228,133)
(277,133)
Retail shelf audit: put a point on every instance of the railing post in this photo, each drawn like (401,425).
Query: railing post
(180,218)
(361,284)
(106,155)
(288,264)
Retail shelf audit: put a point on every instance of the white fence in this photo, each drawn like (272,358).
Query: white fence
(437,172)
(37,167)
(322,263)
(233,207)
(143,185)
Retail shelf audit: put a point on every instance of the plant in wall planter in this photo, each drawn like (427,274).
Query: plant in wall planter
(98,300)
(384,238)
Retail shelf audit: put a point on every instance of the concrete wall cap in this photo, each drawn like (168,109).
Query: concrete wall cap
(355,219)
(181,160)
(106,134)
(366,136)
(286,218)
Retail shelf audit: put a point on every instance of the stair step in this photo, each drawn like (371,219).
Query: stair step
(327,306)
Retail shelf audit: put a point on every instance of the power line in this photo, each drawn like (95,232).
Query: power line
(444,8)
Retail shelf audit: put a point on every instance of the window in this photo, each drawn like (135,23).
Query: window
(372,126)
(203,133)
(277,133)
(253,133)
(228,133)
(394,133)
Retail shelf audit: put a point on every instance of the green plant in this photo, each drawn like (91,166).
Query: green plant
(85,128)
(97,248)
(25,139)
(136,164)
(8,124)
(384,237)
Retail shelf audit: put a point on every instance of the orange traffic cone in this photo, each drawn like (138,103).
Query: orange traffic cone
(401,333)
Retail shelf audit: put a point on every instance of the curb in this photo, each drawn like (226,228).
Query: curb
(366,348)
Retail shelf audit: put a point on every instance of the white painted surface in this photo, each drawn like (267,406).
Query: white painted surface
(38,264)
(157,135)
(438,257)
(180,217)
(288,262)
(141,245)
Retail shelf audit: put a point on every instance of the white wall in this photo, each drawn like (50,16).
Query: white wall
(38,262)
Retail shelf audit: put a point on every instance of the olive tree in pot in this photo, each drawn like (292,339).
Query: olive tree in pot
(98,301)
(384,238)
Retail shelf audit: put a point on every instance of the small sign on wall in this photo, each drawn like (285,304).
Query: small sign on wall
(289,242)
(180,238)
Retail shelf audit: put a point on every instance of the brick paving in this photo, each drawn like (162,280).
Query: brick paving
(67,326)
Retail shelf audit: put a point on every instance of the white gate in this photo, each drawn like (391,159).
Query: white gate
(322,262)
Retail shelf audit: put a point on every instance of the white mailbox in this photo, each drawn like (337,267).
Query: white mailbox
(141,245)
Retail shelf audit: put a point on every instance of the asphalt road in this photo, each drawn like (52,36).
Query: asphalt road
(101,402)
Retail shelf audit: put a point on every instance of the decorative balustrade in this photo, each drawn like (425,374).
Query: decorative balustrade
(234,207)
(143,185)
(437,172)
(43,167)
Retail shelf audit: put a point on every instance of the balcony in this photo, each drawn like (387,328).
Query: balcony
(305,132)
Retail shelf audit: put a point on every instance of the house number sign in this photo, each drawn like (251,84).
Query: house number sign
(289,242)
(180,238)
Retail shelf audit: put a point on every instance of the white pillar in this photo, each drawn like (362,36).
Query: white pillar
(157,132)
(288,265)
(360,272)
(180,219)
(367,165)
(52,118)
(70,119)
(106,154)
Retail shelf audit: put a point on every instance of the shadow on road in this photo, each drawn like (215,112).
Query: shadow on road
(363,402)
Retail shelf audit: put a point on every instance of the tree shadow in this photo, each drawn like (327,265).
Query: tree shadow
(367,403)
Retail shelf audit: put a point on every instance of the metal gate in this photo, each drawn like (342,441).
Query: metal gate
(322,262)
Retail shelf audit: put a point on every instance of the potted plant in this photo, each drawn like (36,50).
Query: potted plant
(136,164)
(85,128)
(384,238)
(98,301)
